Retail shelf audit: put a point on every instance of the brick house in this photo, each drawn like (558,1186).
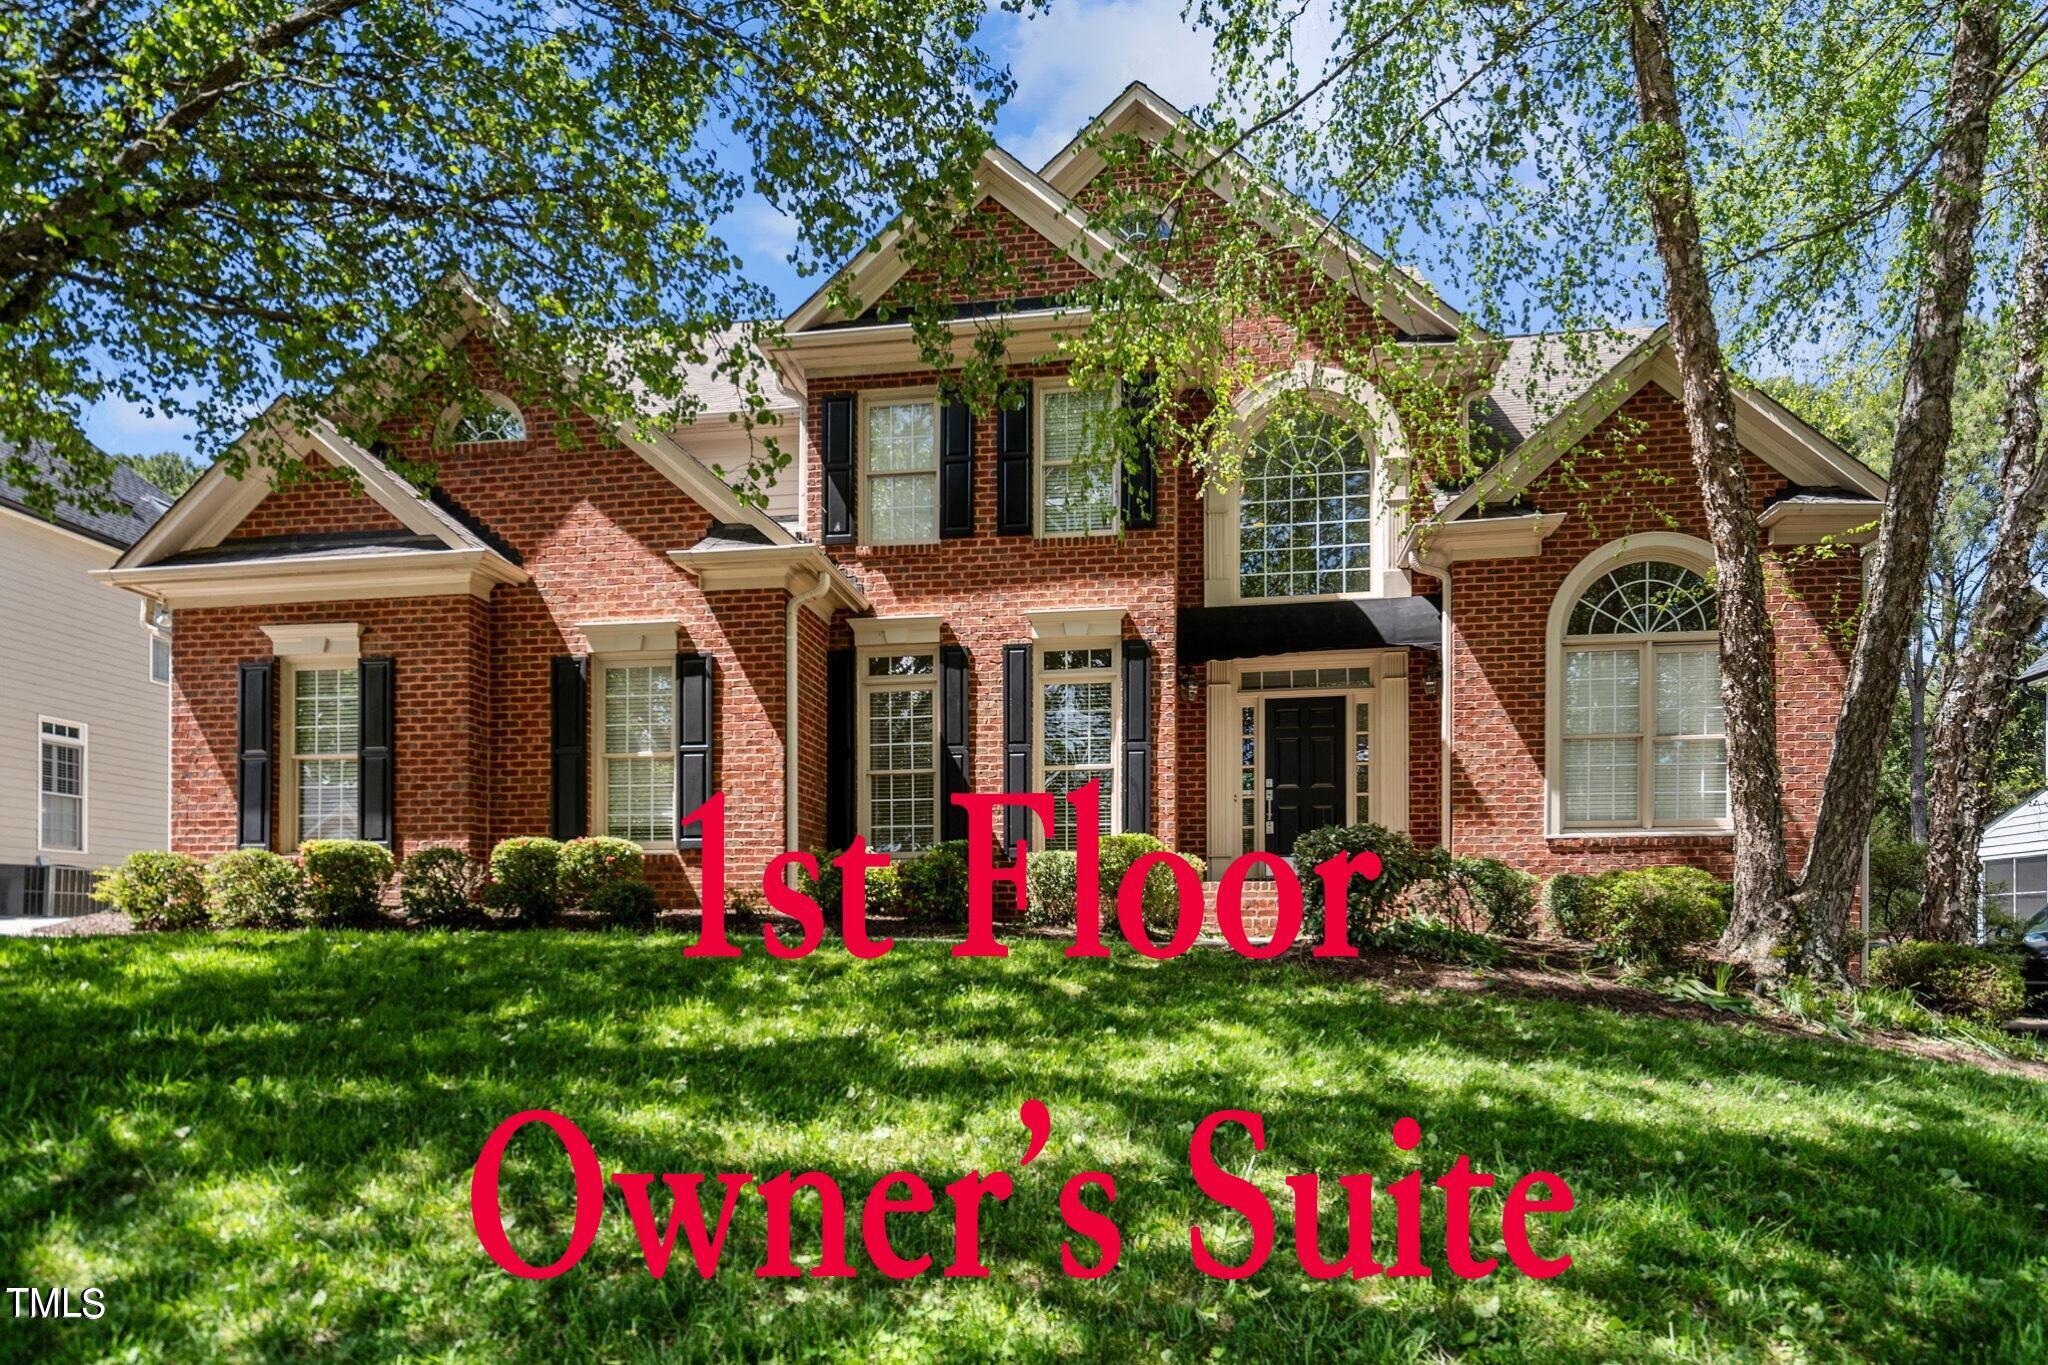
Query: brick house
(594,635)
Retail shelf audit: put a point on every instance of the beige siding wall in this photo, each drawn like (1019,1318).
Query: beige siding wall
(728,446)
(75,650)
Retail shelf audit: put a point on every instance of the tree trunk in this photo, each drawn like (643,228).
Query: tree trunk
(1898,567)
(1916,683)
(1982,688)
(1748,688)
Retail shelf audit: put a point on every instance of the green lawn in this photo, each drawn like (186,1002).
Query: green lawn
(260,1146)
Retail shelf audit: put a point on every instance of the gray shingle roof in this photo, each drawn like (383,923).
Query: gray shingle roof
(1543,374)
(141,502)
(312,545)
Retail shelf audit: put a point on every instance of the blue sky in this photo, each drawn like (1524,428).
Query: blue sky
(1068,61)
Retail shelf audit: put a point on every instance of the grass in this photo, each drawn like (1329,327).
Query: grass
(259,1146)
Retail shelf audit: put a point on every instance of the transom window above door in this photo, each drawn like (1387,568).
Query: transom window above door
(901,438)
(1643,733)
(1305,512)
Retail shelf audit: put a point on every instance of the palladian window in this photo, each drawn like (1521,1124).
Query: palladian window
(1643,735)
(1305,515)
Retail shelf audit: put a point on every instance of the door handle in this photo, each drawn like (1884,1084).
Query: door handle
(1269,806)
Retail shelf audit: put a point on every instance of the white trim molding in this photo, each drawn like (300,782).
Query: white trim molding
(1056,625)
(1346,396)
(1474,538)
(319,578)
(337,640)
(878,632)
(1806,519)
(655,636)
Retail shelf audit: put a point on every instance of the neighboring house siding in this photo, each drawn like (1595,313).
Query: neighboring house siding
(1633,474)
(76,650)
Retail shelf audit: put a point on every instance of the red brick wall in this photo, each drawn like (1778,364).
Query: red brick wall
(1039,268)
(1425,747)
(982,585)
(1632,475)
(311,508)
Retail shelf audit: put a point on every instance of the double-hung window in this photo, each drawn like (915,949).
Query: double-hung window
(899,732)
(325,737)
(1643,730)
(159,643)
(1077,700)
(637,722)
(63,786)
(1077,470)
(901,436)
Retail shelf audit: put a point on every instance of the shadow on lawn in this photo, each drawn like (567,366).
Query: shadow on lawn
(297,1116)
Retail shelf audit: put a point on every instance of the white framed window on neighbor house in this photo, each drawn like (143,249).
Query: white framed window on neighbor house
(899,747)
(62,786)
(159,618)
(1076,464)
(323,730)
(899,440)
(1077,725)
(1637,732)
(635,724)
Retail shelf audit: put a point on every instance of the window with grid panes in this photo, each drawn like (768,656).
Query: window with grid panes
(640,752)
(1077,729)
(1077,466)
(899,695)
(1305,512)
(325,734)
(902,472)
(63,786)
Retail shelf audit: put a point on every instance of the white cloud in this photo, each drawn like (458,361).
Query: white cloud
(1071,60)
(763,232)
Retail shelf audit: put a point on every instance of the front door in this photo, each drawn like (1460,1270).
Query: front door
(1304,768)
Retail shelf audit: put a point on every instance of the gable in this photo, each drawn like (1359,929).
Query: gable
(317,507)
(1044,271)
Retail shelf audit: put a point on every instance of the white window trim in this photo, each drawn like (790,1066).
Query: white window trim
(157,637)
(600,664)
(83,746)
(1345,396)
(891,639)
(451,417)
(1688,552)
(1113,675)
(301,645)
(1386,802)
(288,741)
(1041,389)
(927,394)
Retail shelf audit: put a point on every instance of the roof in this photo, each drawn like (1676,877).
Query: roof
(1251,631)
(141,502)
(1544,373)
(2019,832)
(2036,671)
(305,546)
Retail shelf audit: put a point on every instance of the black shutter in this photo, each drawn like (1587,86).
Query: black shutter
(956,470)
(1013,470)
(1137,774)
(838,462)
(696,710)
(569,740)
(839,749)
(1016,739)
(952,739)
(1140,483)
(375,789)
(255,743)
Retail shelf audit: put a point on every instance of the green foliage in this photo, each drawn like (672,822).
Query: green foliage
(1898,878)
(932,887)
(1651,915)
(253,888)
(156,890)
(167,470)
(523,879)
(1434,937)
(345,880)
(440,885)
(1162,897)
(202,205)
(1983,984)
(1050,887)
(625,901)
(1371,901)
(884,887)
(1505,896)
(1572,904)
(589,864)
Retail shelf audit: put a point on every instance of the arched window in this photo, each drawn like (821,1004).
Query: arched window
(1305,513)
(493,418)
(1639,670)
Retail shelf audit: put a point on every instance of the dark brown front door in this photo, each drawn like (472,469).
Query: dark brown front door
(1304,768)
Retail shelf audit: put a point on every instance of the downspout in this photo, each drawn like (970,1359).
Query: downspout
(1441,572)
(791,830)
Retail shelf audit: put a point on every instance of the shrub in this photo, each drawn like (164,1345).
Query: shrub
(1370,902)
(625,901)
(1955,978)
(1505,896)
(934,884)
(1050,887)
(1572,904)
(345,879)
(1653,914)
(523,886)
(589,864)
(253,888)
(885,887)
(440,885)
(156,891)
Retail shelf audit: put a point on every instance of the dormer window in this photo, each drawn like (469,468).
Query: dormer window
(491,418)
